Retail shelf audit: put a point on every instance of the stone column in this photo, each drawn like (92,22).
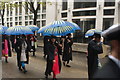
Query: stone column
(99,14)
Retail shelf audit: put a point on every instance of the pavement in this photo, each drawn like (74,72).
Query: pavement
(37,64)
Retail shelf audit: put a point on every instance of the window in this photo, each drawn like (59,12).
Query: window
(43,16)
(26,8)
(38,23)
(43,23)
(26,23)
(107,22)
(16,9)
(83,4)
(31,22)
(16,18)
(26,17)
(85,24)
(109,12)
(64,5)
(7,24)
(16,23)
(20,8)
(10,19)
(38,8)
(20,18)
(31,17)
(109,3)
(38,16)
(64,14)
(44,7)
(20,23)
(7,19)
(84,13)
(11,24)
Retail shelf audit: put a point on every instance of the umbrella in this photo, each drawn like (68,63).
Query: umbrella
(91,32)
(19,30)
(59,28)
(3,29)
(33,27)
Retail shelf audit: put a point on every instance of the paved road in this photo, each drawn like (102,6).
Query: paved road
(37,64)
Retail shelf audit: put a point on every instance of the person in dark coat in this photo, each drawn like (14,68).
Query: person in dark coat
(22,46)
(111,70)
(32,43)
(67,53)
(12,39)
(46,42)
(94,48)
(53,59)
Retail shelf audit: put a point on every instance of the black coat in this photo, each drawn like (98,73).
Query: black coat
(67,53)
(18,49)
(46,42)
(110,70)
(93,50)
(50,58)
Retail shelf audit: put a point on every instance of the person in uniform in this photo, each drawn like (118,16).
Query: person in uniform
(111,70)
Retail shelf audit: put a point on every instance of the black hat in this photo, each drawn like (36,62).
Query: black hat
(97,35)
(112,33)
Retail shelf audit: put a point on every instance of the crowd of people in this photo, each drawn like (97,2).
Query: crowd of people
(54,48)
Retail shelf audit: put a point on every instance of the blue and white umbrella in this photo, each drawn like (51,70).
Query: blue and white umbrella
(91,32)
(33,27)
(59,28)
(19,30)
(3,29)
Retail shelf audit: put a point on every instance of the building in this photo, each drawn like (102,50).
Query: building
(99,14)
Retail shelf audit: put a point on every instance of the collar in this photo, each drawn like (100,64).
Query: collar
(115,60)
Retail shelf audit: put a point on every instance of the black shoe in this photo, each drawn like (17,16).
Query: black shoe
(46,76)
(68,66)
(20,69)
(25,71)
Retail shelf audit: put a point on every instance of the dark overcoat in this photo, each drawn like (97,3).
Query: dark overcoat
(50,58)
(110,71)
(67,53)
(93,50)
(18,49)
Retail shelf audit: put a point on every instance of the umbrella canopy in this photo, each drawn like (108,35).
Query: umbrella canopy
(91,32)
(19,30)
(33,27)
(3,29)
(59,28)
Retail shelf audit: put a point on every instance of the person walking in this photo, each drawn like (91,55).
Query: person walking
(22,50)
(12,39)
(111,70)
(94,48)
(46,42)
(33,49)
(53,59)
(6,49)
(67,52)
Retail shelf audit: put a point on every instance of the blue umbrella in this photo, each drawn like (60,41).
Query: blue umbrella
(91,32)
(19,30)
(33,27)
(3,29)
(59,28)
